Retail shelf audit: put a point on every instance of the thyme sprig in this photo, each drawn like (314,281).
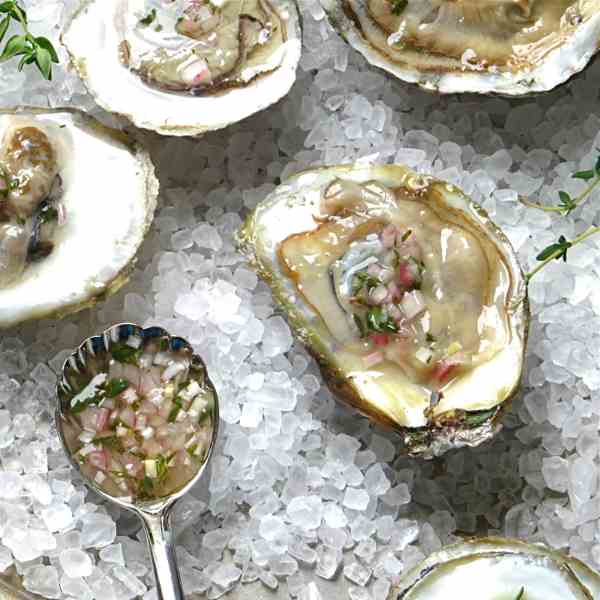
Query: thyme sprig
(566,203)
(559,250)
(32,50)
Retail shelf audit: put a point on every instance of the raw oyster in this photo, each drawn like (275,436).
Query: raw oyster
(509,47)
(183,67)
(407,294)
(498,568)
(76,200)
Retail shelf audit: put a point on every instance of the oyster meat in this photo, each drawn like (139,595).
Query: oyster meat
(76,200)
(509,47)
(183,67)
(410,298)
(499,569)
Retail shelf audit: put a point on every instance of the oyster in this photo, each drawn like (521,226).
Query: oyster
(184,67)
(508,47)
(409,297)
(76,200)
(499,568)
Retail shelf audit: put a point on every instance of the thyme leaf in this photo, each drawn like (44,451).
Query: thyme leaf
(32,50)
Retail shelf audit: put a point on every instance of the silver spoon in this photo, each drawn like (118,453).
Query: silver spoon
(155,514)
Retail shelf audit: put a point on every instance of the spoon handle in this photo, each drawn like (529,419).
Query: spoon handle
(162,551)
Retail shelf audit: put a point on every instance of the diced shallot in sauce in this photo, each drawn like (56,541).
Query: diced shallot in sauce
(143,430)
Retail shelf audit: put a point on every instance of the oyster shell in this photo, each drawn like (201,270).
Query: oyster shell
(187,66)
(76,200)
(509,47)
(498,568)
(409,297)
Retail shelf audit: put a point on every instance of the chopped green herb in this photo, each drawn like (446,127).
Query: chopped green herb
(192,449)
(430,339)
(115,386)
(125,354)
(112,442)
(161,467)
(361,326)
(520,594)
(378,320)
(49,214)
(146,488)
(363,279)
(177,402)
(163,345)
(406,235)
(398,6)
(476,418)
(149,18)
(158,28)
(93,401)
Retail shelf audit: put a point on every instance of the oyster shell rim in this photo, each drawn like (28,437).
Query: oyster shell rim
(426,442)
(454,82)
(294,23)
(151,192)
(469,547)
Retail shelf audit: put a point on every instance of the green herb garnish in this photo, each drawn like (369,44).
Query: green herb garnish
(520,594)
(149,18)
(363,279)
(146,487)
(111,441)
(93,401)
(476,418)
(125,354)
(430,339)
(406,235)
(398,6)
(32,50)
(559,250)
(161,467)
(48,214)
(10,183)
(115,386)
(361,326)
(567,204)
(378,320)
(175,410)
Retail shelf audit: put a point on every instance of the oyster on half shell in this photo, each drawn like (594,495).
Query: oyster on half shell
(409,297)
(184,67)
(509,47)
(498,569)
(76,200)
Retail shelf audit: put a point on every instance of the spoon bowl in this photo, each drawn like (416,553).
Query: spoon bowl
(91,358)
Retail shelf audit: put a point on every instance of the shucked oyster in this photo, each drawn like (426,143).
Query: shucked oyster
(76,200)
(183,67)
(410,298)
(509,47)
(498,569)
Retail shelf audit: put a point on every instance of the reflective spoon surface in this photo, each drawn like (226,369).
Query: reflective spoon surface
(155,514)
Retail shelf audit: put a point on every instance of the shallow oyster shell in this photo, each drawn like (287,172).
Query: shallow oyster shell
(93,43)
(109,196)
(533,67)
(470,411)
(498,568)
